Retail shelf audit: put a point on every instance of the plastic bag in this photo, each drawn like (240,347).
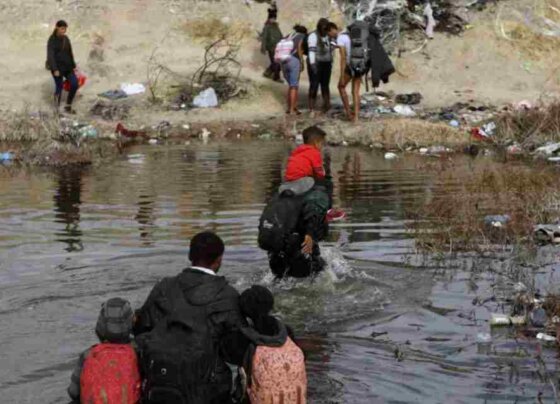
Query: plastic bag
(82,78)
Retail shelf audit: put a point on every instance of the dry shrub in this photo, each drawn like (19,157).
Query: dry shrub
(530,128)
(395,133)
(452,217)
(25,127)
(212,29)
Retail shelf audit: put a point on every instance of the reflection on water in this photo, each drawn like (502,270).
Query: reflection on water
(375,329)
(67,200)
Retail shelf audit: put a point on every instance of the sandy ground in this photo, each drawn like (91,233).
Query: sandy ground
(477,66)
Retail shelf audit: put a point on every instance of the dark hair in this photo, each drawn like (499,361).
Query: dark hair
(322,25)
(206,248)
(331,26)
(256,303)
(312,134)
(59,24)
(300,29)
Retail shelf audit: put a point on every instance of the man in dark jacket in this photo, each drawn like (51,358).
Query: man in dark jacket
(209,305)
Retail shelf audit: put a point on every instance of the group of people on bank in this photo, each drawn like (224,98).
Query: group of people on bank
(359,52)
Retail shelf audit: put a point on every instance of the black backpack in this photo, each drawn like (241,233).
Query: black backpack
(279,219)
(178,358)
(360,52)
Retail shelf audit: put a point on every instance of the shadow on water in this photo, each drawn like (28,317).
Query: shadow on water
(375,327)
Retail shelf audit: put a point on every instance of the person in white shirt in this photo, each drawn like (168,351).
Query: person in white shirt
(320,61)
(346,76)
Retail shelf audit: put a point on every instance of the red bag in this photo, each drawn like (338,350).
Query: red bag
(110,375)
(82,78)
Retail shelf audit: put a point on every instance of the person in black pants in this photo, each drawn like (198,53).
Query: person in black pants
(319,62)
(60,61)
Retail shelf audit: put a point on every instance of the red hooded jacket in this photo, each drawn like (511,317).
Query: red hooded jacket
(305,161)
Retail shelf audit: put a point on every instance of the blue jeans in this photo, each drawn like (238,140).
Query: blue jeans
(59,82)
(291,69)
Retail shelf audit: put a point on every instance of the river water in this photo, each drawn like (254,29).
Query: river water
(380,325)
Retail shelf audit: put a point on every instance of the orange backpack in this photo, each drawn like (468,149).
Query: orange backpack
(110,375)
(278,375)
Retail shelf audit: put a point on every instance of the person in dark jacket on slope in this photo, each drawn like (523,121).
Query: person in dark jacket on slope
(61,63)
(206,292)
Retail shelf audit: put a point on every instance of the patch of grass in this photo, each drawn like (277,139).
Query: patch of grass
(451,217)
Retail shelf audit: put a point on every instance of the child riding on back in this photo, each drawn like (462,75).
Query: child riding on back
(306,162)
(108,372)
(274,364)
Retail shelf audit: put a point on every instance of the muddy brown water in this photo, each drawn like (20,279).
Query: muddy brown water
(378,326)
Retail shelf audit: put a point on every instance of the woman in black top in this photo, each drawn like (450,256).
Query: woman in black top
(60,61)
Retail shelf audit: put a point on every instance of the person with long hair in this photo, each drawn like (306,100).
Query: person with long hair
(293,67)
(320,62)
(61,63)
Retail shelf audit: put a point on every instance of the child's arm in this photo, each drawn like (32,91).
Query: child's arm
(74,388)
(317,164)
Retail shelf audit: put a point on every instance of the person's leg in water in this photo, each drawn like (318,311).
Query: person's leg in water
(58,83)
(356,83)
(278,264)
(73,80)
(324,78)
(313,85)
(343,82)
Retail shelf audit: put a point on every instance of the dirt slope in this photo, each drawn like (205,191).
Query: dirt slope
(480,65)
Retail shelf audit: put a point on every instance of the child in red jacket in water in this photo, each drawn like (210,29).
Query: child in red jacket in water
(306,162)
(108,372)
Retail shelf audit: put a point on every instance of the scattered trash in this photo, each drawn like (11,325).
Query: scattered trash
(514,149)
(205,135)
(409,99)
(6,156)
(497,220)
(133,88)
(423,150)
(299,139)
(136,158)
(404,110)
(121,130)
(436,150)
(186,127)
(538,317)
(505,320)
(545,337)
(265,136)
(454,123)
(483,337)
(547,233)
(113,94)
(153,141)
(523,106)
(344,143)
(206,99)
(554,159)
(88,132)
(163,126)
(110,111)
(430,21)
(548,149)
(390,156)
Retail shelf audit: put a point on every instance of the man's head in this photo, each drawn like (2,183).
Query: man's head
(206,250)
(332,30)
(314,136)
